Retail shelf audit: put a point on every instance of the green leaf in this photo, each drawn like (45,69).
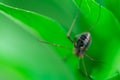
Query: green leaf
(62,11)
(113,6)
(22,56)
(104,49)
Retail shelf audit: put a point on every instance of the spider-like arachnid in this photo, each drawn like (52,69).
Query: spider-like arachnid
(81,42)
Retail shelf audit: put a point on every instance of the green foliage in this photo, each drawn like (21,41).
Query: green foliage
(22,55)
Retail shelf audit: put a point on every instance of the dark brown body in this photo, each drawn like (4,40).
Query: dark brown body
(81,43)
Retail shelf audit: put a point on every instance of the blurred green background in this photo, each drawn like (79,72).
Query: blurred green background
(23,57)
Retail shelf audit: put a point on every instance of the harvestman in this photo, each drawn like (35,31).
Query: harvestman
(81,43)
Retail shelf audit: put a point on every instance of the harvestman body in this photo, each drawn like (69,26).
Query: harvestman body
(80,44)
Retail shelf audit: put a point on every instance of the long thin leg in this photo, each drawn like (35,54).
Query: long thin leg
(116,74)
(98,18)
(79,63)
(88,6)
(57,45)
(52,44)
(83,63)
(71,27)
(84,66)
(89,57)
